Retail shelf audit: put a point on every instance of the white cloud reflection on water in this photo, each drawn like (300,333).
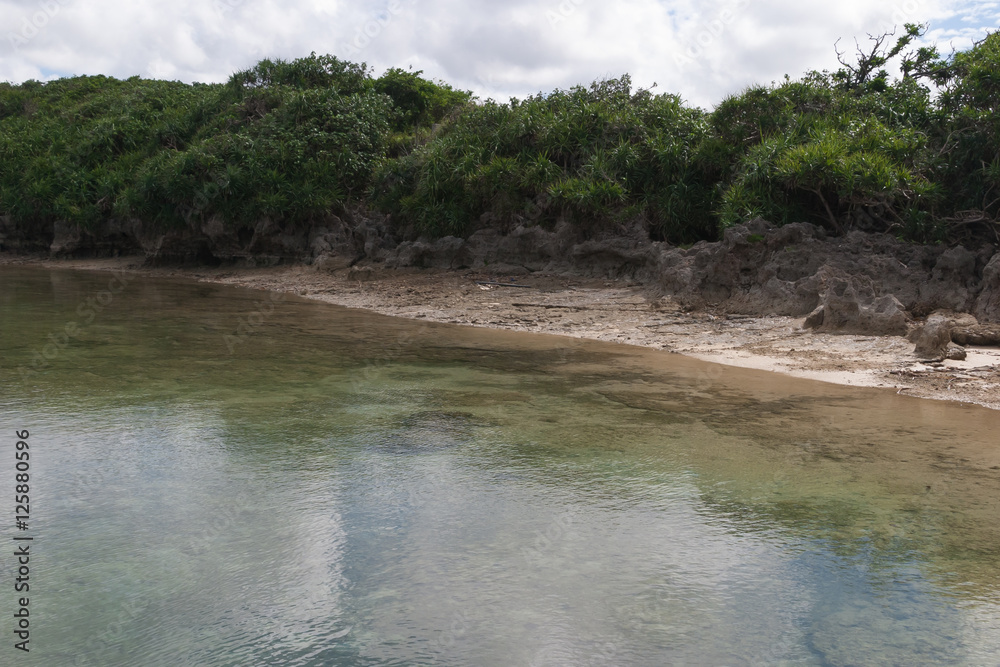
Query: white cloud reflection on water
(463,502)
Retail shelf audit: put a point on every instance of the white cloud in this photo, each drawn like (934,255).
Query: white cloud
(700,49)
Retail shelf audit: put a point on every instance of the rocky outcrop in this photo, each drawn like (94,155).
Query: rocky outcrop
(858,283)
(343,241)
(976,334)
(792,270)
(523,249)
(107,238)
(933,338)
(755,269)
(850,306)
(331,243)
(17,239)
(987,307)
(945,333)
(955,352)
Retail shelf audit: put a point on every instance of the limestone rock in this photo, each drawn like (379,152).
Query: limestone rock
(758,269)
(361,273)
(932,340)
(955,352)
(851,307)
(957,319)
(979,334)
(988,303)
(814,320)
(952,281)
(858,283)
(66,239)
(449,252)
(330,262)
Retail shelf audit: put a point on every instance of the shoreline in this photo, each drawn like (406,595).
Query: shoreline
(612,311)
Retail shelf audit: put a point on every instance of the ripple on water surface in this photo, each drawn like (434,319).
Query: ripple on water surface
(340,488)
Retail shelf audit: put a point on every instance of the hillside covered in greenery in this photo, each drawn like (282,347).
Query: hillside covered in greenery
(916,155)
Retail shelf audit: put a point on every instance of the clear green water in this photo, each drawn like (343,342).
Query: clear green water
(338,488)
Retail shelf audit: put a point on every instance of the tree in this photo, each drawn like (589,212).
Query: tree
(868,71)
(418,101)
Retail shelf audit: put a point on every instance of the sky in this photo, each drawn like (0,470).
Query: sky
(702,50)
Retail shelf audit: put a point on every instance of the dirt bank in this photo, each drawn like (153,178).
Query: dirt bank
(614,311)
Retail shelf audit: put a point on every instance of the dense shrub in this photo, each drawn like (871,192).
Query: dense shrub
(598,156)
(71,147)
(418,102)
(916,155)
(287,141)
(839,158)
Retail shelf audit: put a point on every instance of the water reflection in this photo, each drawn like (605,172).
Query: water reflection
(341,488)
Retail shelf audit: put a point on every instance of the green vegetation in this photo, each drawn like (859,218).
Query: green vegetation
(592,155)
(917,155)
(288,141)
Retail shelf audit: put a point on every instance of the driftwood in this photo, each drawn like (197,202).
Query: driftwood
(980,334)
(495,284)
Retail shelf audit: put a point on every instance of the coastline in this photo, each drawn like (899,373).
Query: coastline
(613,311)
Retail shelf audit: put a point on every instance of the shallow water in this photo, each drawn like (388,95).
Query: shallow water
(322,486)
